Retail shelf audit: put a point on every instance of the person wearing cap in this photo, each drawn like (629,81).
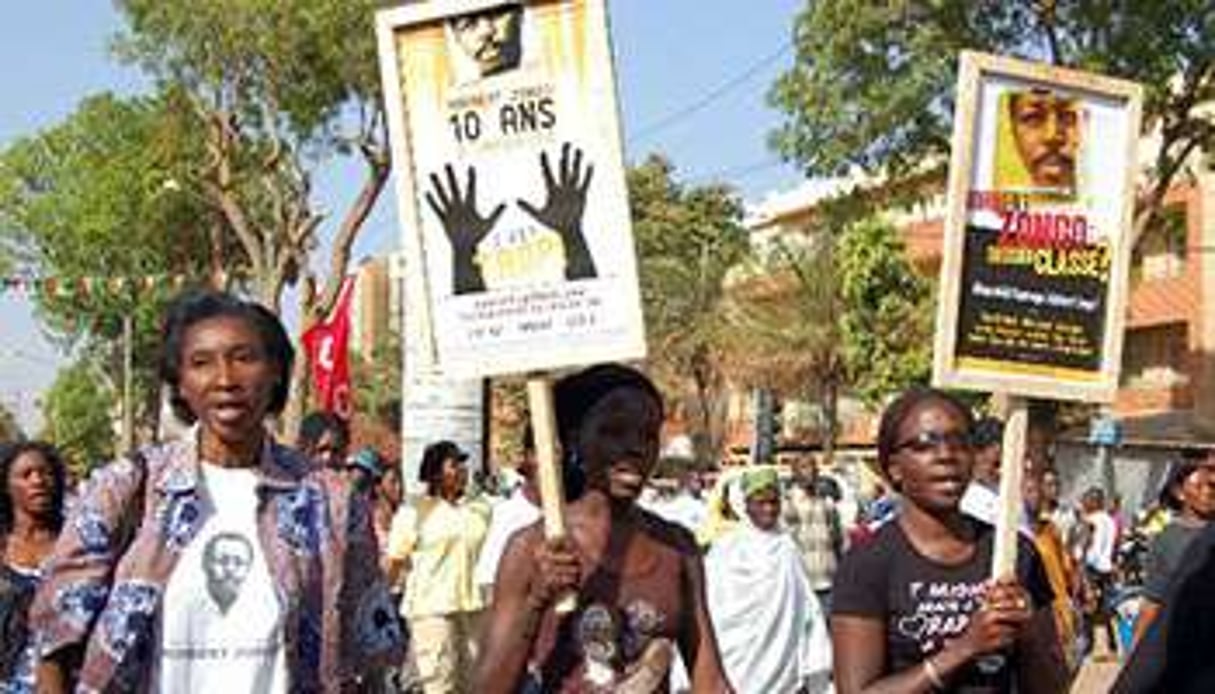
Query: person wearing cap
(638,579)
(436,544)
(366,468)
(769,624)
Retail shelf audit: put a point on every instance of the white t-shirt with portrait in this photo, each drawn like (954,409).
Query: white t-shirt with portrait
(222,628)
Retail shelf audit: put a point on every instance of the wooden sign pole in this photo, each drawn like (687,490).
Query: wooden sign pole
(548,468)
(1015,413)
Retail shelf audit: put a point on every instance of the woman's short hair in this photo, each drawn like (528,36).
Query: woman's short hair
(196,305)
(430,472)
(1178,474)
(8,457)
(577,393)
(903,405)
(316,424)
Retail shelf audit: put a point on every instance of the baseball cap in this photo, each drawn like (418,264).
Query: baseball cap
(435,454)
(367,459)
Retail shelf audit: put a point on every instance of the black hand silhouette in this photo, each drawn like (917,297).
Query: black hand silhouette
(563,207)
(465,227)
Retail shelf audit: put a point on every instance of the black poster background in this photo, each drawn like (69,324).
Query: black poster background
(1018,330)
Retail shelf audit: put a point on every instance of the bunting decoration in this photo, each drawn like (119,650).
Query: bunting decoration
(31,286)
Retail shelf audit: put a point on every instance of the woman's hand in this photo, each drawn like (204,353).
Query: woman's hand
(995,626)
(558,571)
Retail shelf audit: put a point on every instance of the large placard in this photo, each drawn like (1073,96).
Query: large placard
(510,182)
(1034,274)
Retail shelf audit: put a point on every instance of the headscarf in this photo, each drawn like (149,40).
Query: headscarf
(758,481)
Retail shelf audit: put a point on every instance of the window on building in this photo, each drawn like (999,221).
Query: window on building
(1161,253)
(1155,357)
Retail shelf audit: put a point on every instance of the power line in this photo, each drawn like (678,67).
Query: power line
(740,171)
(723,89)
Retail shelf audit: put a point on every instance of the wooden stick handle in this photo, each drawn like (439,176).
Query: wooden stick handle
(548,468)
(1015,413)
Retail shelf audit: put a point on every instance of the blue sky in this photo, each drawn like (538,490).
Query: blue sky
(692,76)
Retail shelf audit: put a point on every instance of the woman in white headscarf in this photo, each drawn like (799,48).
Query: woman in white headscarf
(770,628)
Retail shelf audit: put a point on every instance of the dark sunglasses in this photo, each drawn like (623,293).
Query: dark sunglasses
(931,440)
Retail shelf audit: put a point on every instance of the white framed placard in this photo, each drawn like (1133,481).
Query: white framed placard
(510,184)
(1036,237)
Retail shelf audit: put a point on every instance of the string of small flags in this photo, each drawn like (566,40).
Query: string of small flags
(28,286)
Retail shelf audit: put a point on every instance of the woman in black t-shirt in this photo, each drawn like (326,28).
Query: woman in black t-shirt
(914,610)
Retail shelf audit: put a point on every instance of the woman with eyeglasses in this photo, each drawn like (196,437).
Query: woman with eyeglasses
(914,609)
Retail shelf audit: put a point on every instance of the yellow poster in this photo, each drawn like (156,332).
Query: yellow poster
(514,207)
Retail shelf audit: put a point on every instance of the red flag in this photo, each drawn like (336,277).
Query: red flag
(326,344)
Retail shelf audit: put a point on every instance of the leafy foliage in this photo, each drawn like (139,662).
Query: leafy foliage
(872,85)
(280,88)
(886,323)
(687,240)
(87,198)
(77,412)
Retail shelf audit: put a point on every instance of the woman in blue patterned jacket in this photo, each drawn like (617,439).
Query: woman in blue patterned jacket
(219,562)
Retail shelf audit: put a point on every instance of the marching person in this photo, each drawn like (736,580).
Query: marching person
(769,624)
(219,561)
(31,517)
(435,544)
(914,609)
(638,579)
(1190,494)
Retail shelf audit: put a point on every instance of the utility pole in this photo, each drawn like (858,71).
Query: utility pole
(128,411)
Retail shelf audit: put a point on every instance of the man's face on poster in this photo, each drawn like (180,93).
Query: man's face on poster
(226,562)
(490,38)
(1046,127)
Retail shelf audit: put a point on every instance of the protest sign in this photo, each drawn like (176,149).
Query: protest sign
(1036,248)
(1034,273)
(511,191)
(510,182)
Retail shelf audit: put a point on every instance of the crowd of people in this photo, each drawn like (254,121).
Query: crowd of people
(228,559)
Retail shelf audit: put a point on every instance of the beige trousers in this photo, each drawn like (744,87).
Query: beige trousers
(445,650)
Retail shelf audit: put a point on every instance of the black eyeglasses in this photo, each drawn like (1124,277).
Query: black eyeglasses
(930,440)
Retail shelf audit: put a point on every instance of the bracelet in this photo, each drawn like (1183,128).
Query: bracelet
(934,675)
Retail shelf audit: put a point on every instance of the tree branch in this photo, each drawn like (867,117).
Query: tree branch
(378,168)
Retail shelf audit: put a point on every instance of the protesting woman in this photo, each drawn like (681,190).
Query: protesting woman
(638,579)
(436,543)
(769,625)
(217,563)
(1190,494)
(914,610)
(31,516)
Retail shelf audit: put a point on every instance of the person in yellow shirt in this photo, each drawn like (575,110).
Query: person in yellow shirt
(437,543)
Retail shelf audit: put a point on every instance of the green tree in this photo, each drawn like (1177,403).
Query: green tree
(280,89)
(78,411)
(782,326)
(886,322)
(83,202)
(688,238)
(872,85)
(376,380)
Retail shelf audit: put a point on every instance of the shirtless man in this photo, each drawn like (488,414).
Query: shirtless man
(639,579)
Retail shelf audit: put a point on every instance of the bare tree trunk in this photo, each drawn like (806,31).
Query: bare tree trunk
(830,405)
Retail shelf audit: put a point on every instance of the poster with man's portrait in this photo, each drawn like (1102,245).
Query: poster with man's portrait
(1033,278)
(511,183)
